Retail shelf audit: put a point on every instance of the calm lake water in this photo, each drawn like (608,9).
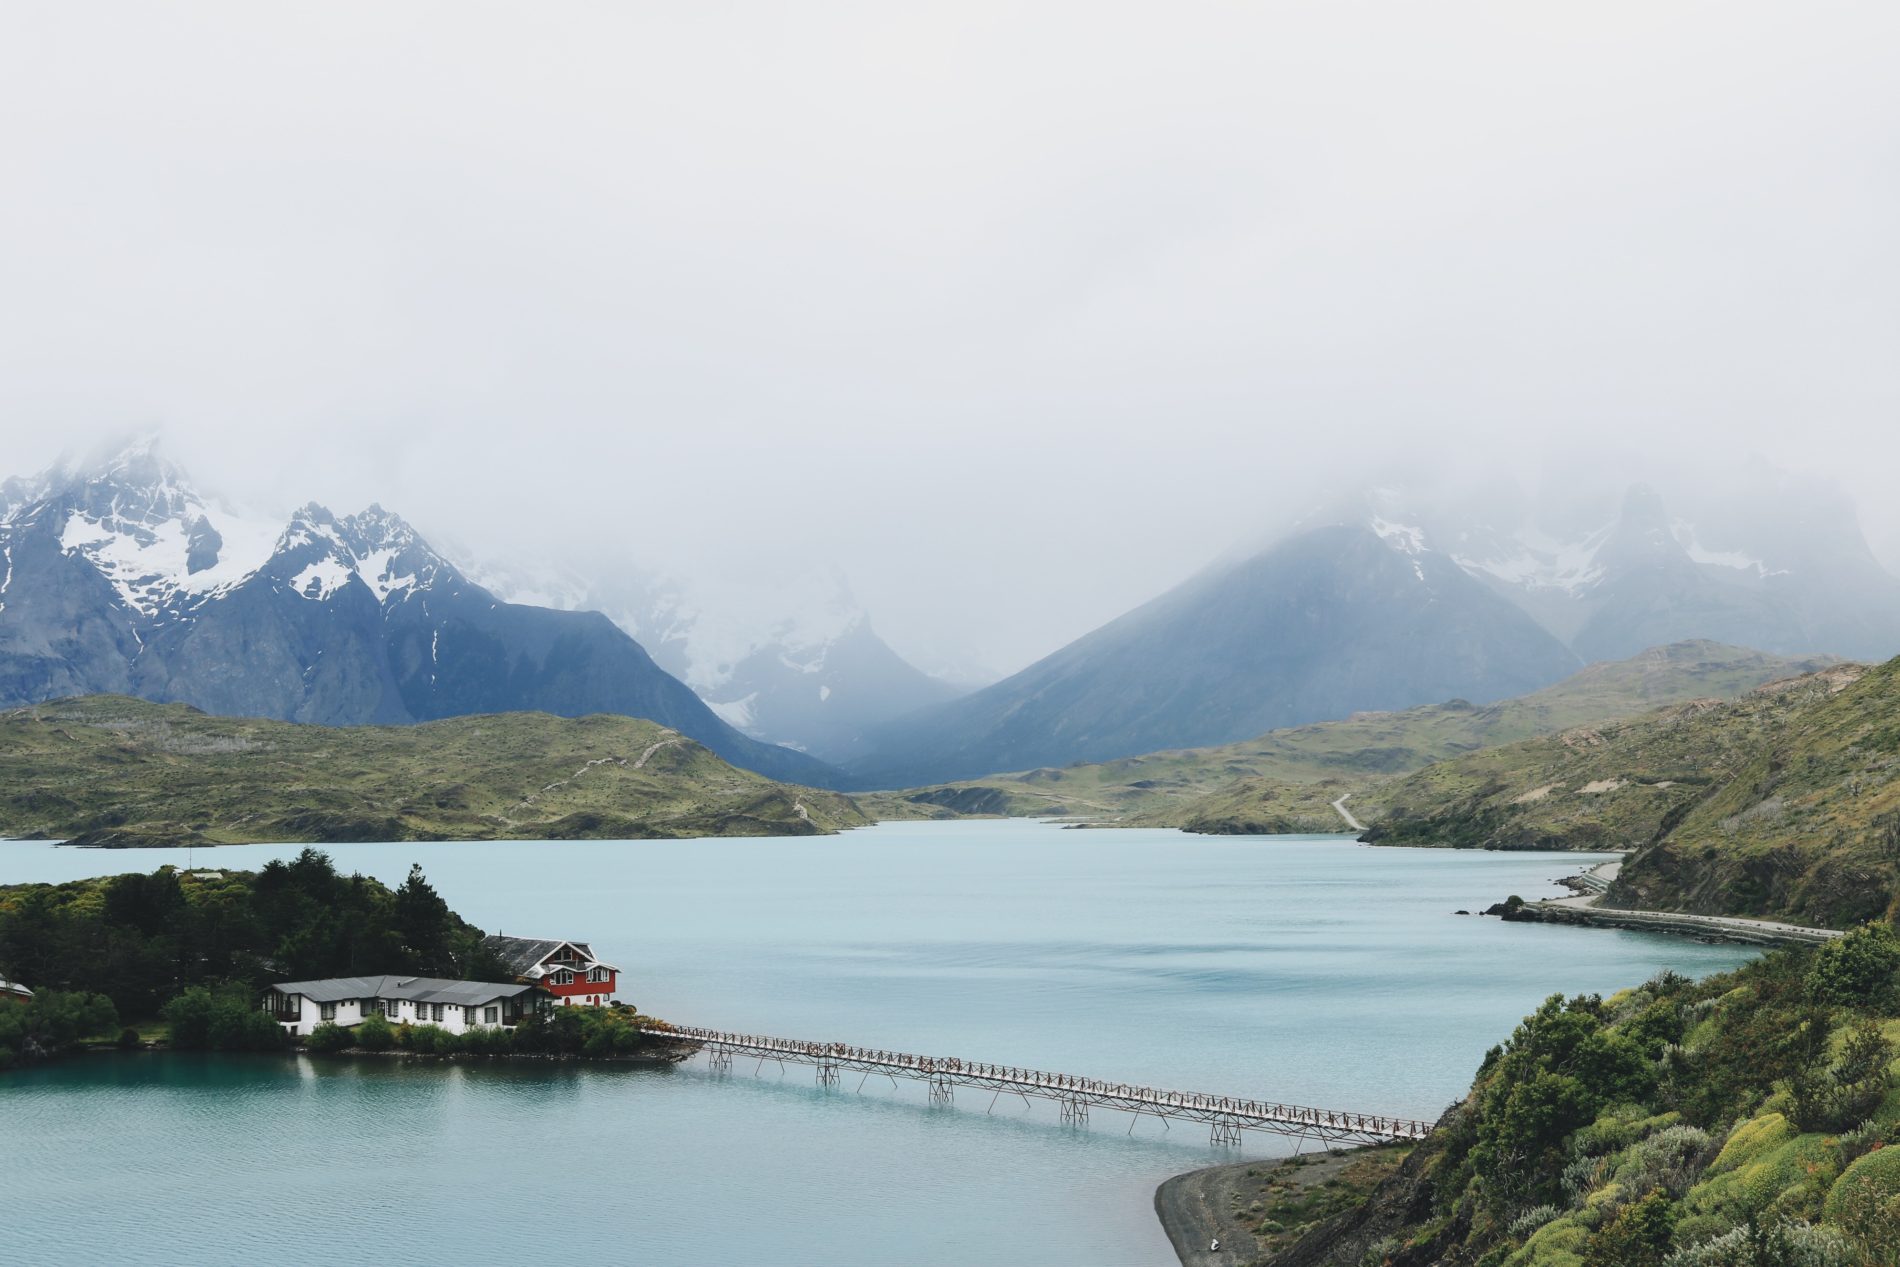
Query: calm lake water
(1307,969)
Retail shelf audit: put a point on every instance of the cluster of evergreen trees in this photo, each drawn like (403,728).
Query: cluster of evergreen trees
(198,948)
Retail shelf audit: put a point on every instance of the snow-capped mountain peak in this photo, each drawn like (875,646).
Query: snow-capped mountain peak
(375,546)
(137,519)
(390,556)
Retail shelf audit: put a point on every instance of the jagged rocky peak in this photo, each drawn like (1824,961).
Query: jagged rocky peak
(313,556)
(376,546)
(391,556)
(139,520)
(1643,534)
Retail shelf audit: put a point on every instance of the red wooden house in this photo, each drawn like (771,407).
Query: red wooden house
(566,969)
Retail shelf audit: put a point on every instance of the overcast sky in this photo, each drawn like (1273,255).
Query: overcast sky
(1017,313)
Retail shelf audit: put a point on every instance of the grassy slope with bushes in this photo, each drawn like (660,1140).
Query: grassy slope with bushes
(1783,803)
(109,770)
(1749,1120)
(1286,780)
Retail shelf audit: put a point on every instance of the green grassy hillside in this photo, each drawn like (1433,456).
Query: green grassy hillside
(1748,1119)
(1785,802)
(1286,780)
(113,771)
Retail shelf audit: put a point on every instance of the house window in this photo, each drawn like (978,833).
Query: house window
(392,1008)
(564,977)
(490,1015)
(327,1011)
(435,1012)
(597,974)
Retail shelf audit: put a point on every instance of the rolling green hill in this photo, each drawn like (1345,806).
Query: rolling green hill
(113,771)
(1744,1120)
(1285,780)
(1783,803)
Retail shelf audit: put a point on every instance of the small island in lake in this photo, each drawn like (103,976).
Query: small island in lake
(295,955)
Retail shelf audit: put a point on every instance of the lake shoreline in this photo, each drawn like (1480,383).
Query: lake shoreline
(1240,1213)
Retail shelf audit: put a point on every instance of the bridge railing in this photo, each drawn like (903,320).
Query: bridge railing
(1228,1111)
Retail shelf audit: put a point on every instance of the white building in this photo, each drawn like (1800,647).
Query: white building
(457,1006)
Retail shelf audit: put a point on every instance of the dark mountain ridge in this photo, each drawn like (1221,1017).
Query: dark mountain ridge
(120,578)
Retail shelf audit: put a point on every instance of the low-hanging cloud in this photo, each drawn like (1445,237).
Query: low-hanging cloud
(1018,313)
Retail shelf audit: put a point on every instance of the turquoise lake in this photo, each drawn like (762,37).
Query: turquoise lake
(1306,969)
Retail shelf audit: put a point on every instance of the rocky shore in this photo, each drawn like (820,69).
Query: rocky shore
(1238,1214)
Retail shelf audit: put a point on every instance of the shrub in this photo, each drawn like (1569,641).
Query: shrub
(1751,1140)
(1638,1236)
(1671,1160)
(129,1039)
(1531,1220)
(203,1021)
(375,1033)
(488,1042)
(1860,970)
(1559,1243)
(54,1020)
(329,1037)
(1785,1244)
(432,1040)
(1841,1095)
(1865,1203)
(1860,1141)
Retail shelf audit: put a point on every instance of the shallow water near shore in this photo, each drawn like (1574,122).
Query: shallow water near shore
(1307,969)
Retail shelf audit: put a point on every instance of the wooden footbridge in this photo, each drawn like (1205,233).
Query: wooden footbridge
(1225,1116)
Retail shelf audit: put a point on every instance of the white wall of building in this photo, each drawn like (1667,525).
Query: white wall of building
(455,1018)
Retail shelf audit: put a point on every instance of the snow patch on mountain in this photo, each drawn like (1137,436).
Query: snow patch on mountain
(737,713)
(1741,561)
(322,579)
(378,570)
(164,546)
(1533,560)
(1402,537)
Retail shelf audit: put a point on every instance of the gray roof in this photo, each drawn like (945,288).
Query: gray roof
(414,989)
(523,953)
(14,987)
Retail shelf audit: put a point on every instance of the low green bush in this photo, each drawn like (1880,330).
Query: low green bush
(226,1020)
(375,1033)
(1860,970)
(1779,1245)
(329,1037)
(1865,1203)
(52,1021)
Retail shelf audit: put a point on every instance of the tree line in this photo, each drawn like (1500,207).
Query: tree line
(198,948)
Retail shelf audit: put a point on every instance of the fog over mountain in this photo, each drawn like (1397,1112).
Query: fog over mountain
(1015,315)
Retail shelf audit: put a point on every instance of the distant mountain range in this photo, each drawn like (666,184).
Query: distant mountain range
(1786,570)
(118,577)
(1334,621)
(788,658)
(1288,780)
(1387,604)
